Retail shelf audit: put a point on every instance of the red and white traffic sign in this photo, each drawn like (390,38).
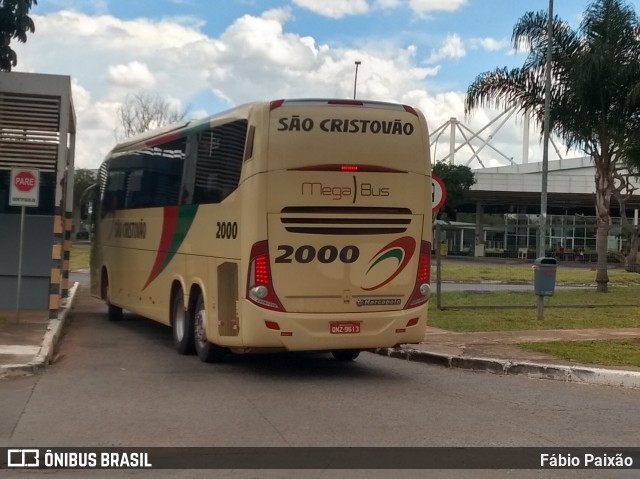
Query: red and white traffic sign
(25,187)
(438,193)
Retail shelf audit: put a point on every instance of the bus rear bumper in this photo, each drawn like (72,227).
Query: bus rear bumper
(263,328)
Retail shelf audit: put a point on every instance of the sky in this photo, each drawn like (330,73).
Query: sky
(205,56)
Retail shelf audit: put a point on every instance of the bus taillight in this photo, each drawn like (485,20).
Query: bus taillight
(422,289)
(259,285)
(275,104)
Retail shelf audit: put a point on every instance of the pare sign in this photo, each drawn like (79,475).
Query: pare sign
(25,187)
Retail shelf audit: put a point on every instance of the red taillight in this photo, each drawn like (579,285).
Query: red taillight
(275,104)
(345,102)
(272,325)
(410,109)
(259,286)
(422,289)
(349,168)
(412,322)
(424,268)
(262,269)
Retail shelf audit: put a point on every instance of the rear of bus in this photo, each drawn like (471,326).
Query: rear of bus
(344,262)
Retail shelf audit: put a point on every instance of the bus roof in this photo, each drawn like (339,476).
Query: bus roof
(176,131)
(181,129)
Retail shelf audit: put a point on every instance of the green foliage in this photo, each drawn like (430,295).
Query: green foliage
(594,92)
(614,352)
(595,73)
(469,271)
(516,310)
(79,256)
(14,23)
(457,179)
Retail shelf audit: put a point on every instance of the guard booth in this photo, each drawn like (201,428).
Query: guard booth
(37,133)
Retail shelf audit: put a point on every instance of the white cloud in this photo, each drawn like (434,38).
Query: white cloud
(452,47)
(89,6)
(489,44)
(385,4)
(134,75)
(343,8)
(334,8)
(255,58)
(426,6)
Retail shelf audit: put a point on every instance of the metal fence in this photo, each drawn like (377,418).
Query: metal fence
(465,277)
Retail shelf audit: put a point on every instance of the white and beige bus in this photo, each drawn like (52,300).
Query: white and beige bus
(291,225)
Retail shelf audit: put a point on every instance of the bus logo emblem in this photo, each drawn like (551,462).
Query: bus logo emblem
(399,252)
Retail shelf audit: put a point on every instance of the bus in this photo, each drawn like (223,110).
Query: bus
(290,225)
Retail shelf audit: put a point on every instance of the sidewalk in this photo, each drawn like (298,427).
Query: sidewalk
(27,342)
(27,346)
(497,352)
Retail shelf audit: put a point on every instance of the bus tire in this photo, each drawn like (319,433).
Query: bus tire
(207,351)
(345,354)
(181,324)
(114,313)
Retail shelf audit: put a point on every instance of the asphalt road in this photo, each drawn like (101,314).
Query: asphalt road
(122,384)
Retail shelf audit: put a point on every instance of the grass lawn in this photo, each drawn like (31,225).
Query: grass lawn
(608,313)
(463,270)
(619,352)
(79,256)
(603,352)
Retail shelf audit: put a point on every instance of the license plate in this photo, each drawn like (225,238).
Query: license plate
(345,328)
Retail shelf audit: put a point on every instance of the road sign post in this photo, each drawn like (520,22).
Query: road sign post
(24,192)
(438,193)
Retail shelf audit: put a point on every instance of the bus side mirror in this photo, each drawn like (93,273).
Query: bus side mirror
(84,211)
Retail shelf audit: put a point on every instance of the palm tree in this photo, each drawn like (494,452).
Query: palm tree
(594,72)
(14,23)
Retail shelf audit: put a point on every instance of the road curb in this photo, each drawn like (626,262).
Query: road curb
(49,340)
(574,374)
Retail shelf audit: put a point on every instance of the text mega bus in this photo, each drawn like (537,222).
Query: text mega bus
(298,225)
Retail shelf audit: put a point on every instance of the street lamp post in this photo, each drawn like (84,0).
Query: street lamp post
(355,80)
(542,238)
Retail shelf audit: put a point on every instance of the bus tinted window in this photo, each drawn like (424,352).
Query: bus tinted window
(219,161)
(147,178)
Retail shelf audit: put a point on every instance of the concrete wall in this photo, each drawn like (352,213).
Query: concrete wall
(36,261)
(38,132)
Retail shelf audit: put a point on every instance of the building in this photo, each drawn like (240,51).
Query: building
(37,133)
(506,203)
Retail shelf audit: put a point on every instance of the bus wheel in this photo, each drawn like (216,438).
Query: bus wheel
(207,352)
(114,312)
(345,354)
(182,325)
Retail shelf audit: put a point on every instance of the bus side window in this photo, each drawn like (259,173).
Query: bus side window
(135,197)
(220,154)
(114,194)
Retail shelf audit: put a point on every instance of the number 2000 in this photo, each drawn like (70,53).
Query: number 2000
(226,230)
(326,254)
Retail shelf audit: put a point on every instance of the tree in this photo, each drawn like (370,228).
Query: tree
(146,111)
(457,179)
(14,23)
(623,189)
(82,179)
(624,186)
(594,71)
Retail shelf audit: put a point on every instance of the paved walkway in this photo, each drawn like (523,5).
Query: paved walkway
(27,345)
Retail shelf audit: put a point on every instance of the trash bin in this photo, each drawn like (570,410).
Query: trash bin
(544,276)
